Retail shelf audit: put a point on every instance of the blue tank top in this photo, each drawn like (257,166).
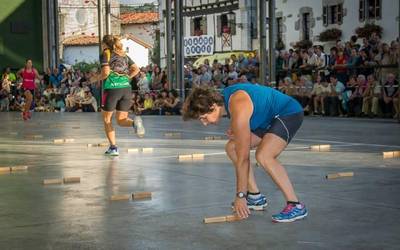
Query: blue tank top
(268,103)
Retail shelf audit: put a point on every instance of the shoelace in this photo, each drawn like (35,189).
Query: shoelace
(287,209)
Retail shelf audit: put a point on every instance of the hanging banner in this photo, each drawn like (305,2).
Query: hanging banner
(198,45)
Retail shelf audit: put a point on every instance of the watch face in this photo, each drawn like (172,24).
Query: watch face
(240,195)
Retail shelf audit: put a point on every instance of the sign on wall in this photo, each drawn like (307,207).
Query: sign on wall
(198,45)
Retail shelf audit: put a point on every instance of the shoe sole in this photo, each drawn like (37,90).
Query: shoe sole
(291,220)
(111,154)
(258,208)
(255,208)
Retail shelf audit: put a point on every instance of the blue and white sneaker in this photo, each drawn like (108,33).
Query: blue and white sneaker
(112,151)
(291,213)
(138,126)
(258,204)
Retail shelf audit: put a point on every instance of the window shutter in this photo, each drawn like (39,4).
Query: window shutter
(192,27)
(378,8)
(340,14)
(361,16)
(203,25)
(232,25)
(219,26)
(325,15)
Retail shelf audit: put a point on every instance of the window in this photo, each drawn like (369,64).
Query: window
(332,14)
(279,28)
(306,26)
(370,9)
(199,26)
(226,25)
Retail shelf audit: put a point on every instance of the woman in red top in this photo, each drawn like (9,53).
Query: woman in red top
(341,67)
(28,75)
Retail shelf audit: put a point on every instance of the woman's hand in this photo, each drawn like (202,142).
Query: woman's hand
(229,133)
(240,207)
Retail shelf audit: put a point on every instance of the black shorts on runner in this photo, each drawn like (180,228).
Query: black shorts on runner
(283,126)
(117,99)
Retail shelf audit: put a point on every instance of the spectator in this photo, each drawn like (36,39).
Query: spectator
(340,67)
(356,99)
(205,77)
(148,105)
(89,103)
(172,104)
(156,78)
(320,91)
(390,96)
(335,100)
(143,84)
(55,78)
(371,97)
(386,59)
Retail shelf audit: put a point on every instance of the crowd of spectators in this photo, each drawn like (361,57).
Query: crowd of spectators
(355,78)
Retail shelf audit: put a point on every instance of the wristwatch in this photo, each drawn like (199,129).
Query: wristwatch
(241,195)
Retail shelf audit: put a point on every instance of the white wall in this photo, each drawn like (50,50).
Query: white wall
(290,10)
(75,54)
(350,20)
(138,31)
(138,53)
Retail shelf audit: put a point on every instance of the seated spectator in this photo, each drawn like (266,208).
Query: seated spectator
(88,103)
(55,78)
(4,101)
(321,90)
(143,84)
(205,77)
(356,98)
(288,87)
(217,78)
(341,67)
(17,103)
(304,88)
(148,105)
(156,78)
(59,105)
(389,103)
(371,97)
(334,101)
(172,104)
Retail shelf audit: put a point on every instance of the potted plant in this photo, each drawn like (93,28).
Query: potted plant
(330,35)
(368,29)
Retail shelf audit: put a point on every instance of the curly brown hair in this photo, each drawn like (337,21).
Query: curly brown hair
(113,42)
(200,102)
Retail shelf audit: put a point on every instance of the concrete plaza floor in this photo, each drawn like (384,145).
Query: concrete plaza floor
(360,212)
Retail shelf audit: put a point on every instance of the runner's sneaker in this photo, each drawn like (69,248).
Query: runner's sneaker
(291,213)
(112,151)
(258,204)
(25,116)
(138,126)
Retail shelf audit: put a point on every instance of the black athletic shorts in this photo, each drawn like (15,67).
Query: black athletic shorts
(283,126)
(117,99)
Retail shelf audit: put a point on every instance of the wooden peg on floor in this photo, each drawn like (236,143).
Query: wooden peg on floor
(68,180)
(120,197)
(141,195)
(52,181)
(227,218)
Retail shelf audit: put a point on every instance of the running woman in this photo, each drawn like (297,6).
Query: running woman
(261,118)
(116,70)
(28,75)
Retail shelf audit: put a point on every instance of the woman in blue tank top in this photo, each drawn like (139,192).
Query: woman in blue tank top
(262,118)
